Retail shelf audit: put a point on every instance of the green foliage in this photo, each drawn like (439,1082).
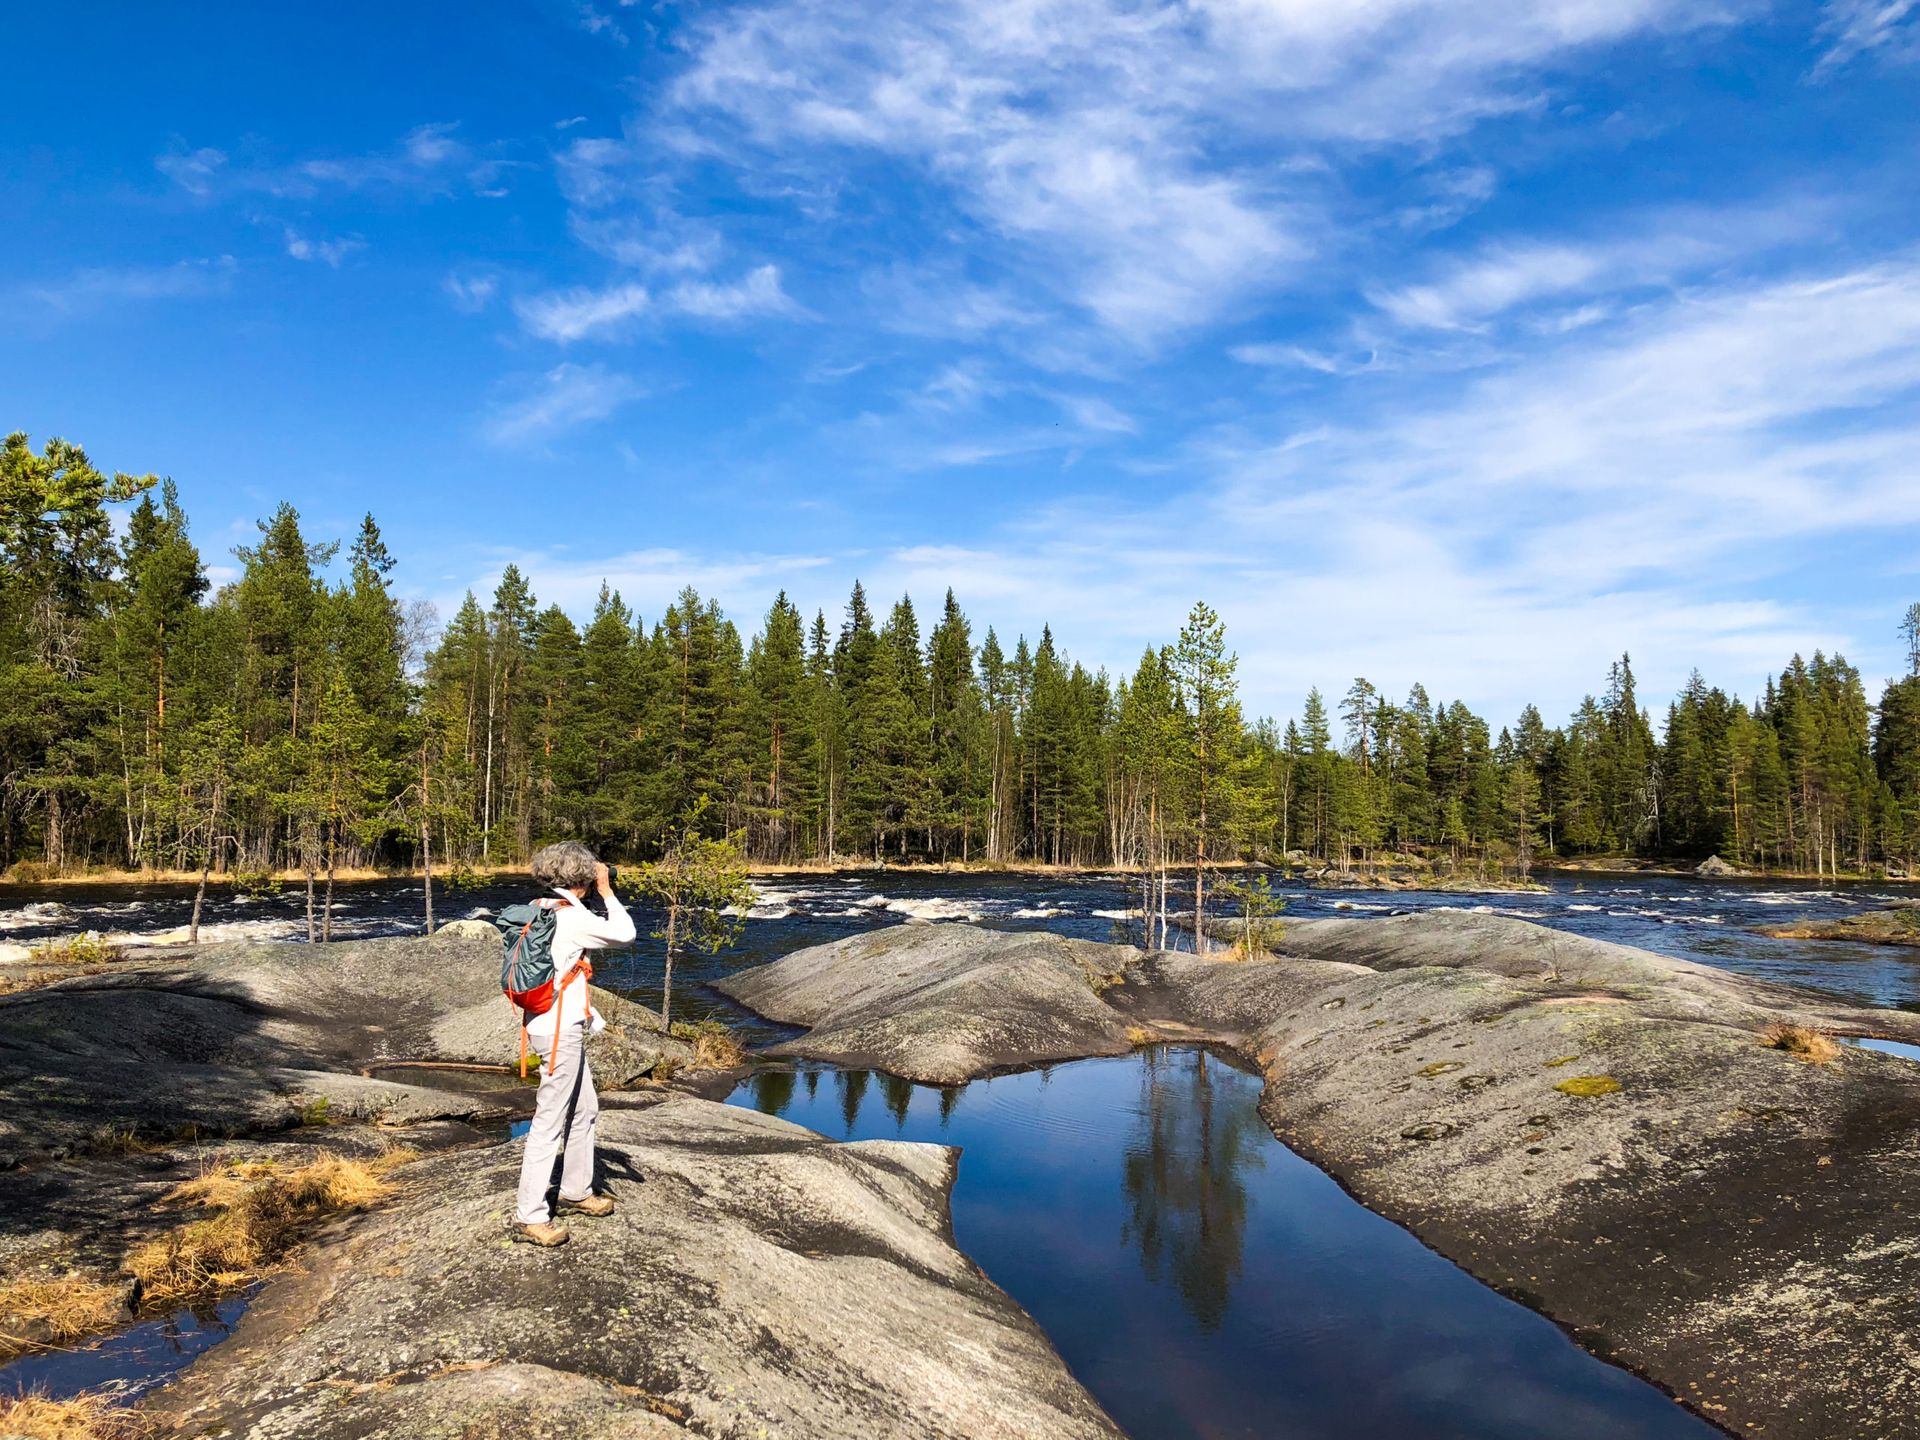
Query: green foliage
(87,949)
(296,718)
(317,1112)
(1253,897)
(700,883)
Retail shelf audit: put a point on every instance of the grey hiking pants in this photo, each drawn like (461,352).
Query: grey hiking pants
(566,1113)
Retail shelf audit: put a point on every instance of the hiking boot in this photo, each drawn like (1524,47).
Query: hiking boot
(598,1206)
(545,1236)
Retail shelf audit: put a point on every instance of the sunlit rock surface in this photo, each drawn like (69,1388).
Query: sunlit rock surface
(755,1280)
(1603,1132)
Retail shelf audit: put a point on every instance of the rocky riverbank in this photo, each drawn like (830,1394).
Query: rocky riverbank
(1638,1146)
(756,1278)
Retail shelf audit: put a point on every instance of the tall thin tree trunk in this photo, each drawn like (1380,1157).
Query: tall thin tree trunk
(666,983)
(200,895)
(426,838)
(326,914)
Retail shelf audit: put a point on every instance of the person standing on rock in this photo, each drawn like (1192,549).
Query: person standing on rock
(567,1111)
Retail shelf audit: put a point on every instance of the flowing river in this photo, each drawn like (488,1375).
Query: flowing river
(1693,919)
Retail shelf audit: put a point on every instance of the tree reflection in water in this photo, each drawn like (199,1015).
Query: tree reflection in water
(772,1091)
(1186,1199)
(853,1089)
(899,1095)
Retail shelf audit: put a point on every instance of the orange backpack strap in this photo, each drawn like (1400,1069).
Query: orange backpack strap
(582,966)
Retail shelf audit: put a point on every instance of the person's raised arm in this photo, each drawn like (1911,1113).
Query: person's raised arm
(617,929)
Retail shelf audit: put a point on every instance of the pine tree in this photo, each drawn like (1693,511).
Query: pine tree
(1204,688)
(956,733)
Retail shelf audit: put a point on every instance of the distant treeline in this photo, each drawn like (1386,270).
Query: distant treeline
(292,720)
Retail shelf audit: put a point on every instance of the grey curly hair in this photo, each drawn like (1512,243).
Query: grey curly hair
(564,865)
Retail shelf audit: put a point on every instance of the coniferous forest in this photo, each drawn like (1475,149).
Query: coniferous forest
(301,718)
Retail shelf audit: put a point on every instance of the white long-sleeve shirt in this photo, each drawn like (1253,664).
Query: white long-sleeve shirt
(576,930)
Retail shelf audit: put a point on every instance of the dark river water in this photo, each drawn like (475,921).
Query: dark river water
(1205,1283)
(1199,1277)
(1693,919)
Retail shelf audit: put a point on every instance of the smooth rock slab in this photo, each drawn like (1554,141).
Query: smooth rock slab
(1598,1130)
(757,1280)
(941,1004)
(245,1036)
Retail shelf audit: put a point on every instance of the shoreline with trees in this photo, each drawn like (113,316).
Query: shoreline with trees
(301,721)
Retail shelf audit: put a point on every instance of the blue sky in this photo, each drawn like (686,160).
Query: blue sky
(1467,344)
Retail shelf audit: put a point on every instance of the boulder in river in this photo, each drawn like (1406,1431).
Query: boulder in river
(1714,868)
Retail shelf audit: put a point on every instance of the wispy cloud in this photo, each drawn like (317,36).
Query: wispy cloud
(1160,160)
(757,293)
(1853,28)
(194,171)
(577,314)
(585,313)
(471,292)
(564,399)
(1525,523)
(98,288)
(429,159)
(326,252)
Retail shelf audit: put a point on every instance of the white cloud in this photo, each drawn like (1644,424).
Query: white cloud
(650,580)
(1300,357)
(1501,536)
(1555,285)
(1090,412)
(193,171)
(1855,27)
(106,287)
(425,160)
(565,398)
(577,314)
(1162,159)
(471,293)
(327,252)
(756,293)
(586,313)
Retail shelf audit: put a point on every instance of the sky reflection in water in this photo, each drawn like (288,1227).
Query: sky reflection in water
(1204,1281)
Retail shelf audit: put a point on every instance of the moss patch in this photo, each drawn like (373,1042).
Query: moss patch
(1589,1085)
(1559,1060)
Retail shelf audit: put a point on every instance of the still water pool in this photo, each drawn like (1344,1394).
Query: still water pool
(1206,1283)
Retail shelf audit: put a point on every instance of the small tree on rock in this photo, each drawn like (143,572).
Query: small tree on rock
(701,883)
(1258,905)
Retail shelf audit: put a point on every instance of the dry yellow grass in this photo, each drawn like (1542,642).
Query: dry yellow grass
(259,1210)
(714,1046)
(36,1312)
(1803,1042)
(1139,1035)
(84,1417)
